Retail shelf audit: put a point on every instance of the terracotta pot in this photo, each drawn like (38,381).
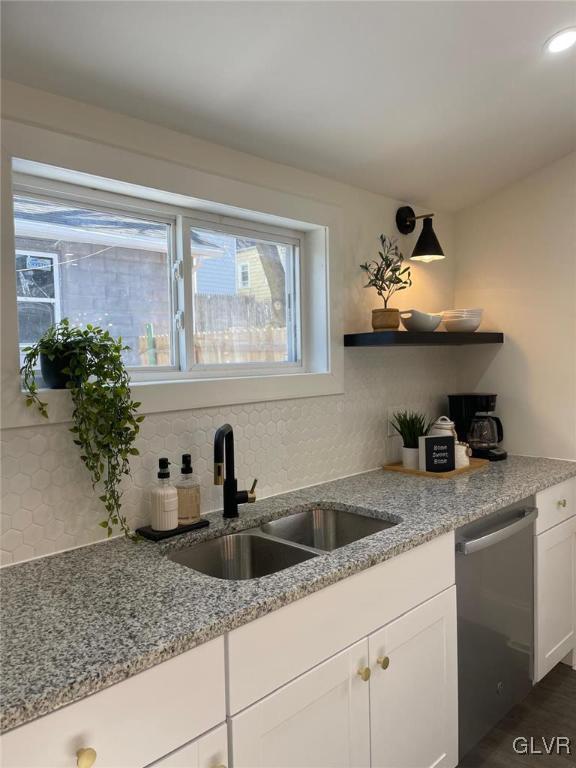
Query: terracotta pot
(385,319)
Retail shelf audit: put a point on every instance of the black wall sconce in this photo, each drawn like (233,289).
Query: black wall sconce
(427,247)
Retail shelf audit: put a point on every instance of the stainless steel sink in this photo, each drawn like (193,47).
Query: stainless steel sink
(324,528)
(241,556)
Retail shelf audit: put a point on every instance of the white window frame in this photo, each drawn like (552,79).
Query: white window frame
(47,158)
(181,221)
(193,370)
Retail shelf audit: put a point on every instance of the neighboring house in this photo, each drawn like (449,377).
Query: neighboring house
(250,276)
(214,263)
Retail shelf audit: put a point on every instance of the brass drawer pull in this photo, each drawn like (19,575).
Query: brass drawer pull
(562,503)
(383,661)
(364,673)
(85,757)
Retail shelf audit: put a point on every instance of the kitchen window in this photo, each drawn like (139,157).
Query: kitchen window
(190,297)
(252,319)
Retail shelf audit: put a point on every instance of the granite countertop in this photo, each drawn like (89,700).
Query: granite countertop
(77,622)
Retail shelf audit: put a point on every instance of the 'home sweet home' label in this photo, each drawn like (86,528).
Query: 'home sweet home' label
(436,453)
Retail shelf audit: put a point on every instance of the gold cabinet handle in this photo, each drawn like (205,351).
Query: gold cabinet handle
(383,661)
(364,673)
(85,757)
(563,503)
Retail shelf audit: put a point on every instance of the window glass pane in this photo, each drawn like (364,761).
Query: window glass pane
(244,299)
(108,269)
(34,276)
(34,317)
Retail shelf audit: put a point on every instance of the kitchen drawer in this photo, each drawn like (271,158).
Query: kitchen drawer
(130,724)
(556,504)
(265,654)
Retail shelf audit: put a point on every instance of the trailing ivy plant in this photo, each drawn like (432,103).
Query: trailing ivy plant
(387,274)
(105,420)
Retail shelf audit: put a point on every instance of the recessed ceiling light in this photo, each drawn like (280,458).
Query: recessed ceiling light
(562,40)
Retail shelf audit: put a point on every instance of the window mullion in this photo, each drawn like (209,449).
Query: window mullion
(185,295)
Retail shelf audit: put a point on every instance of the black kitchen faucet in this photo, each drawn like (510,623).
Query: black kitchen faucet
(224,472)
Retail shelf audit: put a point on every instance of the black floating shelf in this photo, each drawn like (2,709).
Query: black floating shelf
(421,339)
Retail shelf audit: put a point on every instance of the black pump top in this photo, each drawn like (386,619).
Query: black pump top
(186,464)
(163,471)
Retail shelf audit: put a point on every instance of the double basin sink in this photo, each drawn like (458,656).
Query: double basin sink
(279,544)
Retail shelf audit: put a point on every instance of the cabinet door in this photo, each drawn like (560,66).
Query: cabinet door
(555,591)
(414,690)
(320,720)
(209,751)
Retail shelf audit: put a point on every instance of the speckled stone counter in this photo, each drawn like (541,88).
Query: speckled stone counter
(79,621)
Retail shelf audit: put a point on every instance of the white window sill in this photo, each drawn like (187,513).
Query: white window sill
(180,395)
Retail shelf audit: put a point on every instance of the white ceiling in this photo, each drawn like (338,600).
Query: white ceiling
(438,103)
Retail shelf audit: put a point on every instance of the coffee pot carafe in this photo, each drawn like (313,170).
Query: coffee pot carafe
(484,434)
(476,424)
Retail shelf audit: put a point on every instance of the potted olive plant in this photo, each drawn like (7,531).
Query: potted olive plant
(89,363)
(410,425)
(388,275)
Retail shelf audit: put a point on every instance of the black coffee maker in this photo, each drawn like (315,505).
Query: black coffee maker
(476,424)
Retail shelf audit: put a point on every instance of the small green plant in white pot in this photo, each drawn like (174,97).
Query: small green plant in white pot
(410,425)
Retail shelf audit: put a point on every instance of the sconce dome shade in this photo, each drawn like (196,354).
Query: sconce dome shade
(427,247)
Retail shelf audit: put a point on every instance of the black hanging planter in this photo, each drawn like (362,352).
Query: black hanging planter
(52,370)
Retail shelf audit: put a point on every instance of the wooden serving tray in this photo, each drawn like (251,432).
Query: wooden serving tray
(472,467)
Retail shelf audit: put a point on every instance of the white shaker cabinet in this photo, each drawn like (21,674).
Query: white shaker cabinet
(555,596)
(389,701)
(414,689)
(321,719)
(209,751)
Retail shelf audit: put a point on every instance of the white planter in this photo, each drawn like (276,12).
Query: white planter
(410,458)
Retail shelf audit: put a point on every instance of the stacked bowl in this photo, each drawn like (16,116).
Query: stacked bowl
(462,320)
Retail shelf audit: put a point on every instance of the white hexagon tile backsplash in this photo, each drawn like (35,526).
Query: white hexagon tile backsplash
(48,503)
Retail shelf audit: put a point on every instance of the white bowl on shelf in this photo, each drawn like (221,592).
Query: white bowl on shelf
(414,320)
(462,320)
(462,324)
(462,312)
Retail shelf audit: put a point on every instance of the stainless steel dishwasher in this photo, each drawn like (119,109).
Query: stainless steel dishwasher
(495,588)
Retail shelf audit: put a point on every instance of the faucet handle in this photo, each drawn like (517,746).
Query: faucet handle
(252,491)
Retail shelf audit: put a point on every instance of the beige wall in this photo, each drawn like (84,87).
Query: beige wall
(516,257)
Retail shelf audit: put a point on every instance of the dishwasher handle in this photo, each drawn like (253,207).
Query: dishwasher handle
(526,518)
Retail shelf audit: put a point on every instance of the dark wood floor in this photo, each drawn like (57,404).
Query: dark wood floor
(549,710)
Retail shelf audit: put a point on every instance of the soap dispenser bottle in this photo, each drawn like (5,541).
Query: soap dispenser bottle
(164,500)
(188,488)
